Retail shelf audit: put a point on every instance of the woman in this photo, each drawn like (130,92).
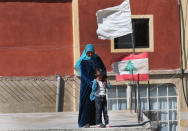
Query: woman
(85,67)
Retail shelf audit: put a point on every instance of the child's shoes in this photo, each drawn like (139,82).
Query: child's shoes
(98,126)
(107,126)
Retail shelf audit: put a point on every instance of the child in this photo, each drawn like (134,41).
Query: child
(99,95)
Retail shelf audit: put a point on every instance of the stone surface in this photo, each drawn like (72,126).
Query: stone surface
(37,94)
(119,120)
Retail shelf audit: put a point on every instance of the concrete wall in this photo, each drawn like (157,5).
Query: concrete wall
(71,94)
(37,94)
(184,40)
(28,94)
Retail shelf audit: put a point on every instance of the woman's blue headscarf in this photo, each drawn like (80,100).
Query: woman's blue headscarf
(89,47)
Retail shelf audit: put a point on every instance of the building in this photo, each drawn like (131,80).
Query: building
(39,39)
(157,24)
(184,47)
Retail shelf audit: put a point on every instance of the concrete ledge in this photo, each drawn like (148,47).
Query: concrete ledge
(159,72)
(67,121)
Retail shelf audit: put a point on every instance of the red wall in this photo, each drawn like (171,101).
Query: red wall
(166,53)
(36,38)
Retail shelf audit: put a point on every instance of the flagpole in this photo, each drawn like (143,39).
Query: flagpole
(133,47)
(135,94)
(138,101)
(132,35)
(132,41)
(135,102)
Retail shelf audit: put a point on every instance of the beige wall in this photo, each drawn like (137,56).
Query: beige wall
(27,94)
(183,108)
(76,36)
(185,22)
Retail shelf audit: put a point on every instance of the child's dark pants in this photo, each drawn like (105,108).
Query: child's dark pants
(101,106)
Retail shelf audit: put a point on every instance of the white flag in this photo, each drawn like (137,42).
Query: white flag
(115,21)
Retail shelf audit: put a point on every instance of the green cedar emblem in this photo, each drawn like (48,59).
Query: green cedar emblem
(130,67)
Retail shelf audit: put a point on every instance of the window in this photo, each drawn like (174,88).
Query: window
(143,36)
(117,98)
(163,100)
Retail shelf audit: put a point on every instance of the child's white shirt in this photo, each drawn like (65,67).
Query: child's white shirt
(100,91)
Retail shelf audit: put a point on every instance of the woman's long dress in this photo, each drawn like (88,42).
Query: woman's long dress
(87,107)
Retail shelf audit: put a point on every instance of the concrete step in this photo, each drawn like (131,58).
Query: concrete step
(67,121)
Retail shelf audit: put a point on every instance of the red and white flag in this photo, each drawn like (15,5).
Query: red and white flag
(130,66)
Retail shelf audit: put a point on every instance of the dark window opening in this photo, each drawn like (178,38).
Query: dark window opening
(140,35)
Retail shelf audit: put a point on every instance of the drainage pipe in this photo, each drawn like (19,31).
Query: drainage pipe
(58,92)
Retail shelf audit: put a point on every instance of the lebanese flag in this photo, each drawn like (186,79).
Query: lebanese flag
(130,66)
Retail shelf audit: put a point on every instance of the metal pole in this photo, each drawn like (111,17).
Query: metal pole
(137,93)
(132,41)
(133,46)
(149,96)
(138,100)
(135,98)
(133,87)
(58,92)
